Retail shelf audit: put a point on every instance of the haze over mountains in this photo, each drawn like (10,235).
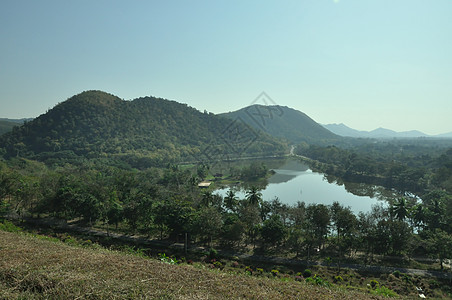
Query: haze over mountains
(343,130)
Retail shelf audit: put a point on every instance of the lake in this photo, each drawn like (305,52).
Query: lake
(294,181)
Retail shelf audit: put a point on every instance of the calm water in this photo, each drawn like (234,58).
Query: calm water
(294,182)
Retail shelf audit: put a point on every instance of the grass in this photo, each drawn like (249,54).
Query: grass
(33,267)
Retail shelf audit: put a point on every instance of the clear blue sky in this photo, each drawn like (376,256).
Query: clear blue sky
(365,63)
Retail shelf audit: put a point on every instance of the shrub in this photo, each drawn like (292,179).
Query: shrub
(373,283)
(235,264)
(248,270)
(213,253)
(307,273)
(317,280)
(396,274)
(384,291)
(8,226)
(275,272)
(166,259)
(338,279)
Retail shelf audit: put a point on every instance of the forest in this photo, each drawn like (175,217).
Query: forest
(166,203)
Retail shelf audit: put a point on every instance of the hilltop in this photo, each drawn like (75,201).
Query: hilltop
(284,122)
(142,132)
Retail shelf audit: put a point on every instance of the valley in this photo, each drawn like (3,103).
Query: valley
(288,188)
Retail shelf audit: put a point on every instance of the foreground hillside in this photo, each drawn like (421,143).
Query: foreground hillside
(144,132)
(36,268)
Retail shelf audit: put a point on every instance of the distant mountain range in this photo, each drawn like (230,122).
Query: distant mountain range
(343,130)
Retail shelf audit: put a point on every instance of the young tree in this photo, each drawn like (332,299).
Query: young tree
(273,231)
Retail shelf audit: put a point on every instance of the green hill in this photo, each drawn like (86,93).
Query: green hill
(284,122)
(143,132)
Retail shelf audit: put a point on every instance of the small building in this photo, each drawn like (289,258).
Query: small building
(204,184)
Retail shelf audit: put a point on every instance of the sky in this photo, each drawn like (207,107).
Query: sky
(368,64)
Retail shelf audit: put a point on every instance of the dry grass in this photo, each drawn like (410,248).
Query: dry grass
(33,268)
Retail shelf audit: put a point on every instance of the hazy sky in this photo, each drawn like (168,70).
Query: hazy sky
(365,63)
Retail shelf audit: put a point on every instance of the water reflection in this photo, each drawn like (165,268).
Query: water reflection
(293,181)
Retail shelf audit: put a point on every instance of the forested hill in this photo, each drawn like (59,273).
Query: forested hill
(143,132)
(285,122)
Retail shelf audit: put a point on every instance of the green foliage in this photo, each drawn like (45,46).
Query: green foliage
(374,283)
(307,273)
(213,253)
(317,280)
(141,133)
(6,225)
(384,291)
(396,273)
(166,259)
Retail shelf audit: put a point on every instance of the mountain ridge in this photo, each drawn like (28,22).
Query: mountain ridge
(345,131)
(284,122)
(143,131)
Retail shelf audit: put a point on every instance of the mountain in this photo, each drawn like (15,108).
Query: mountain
(144,132)
(284,122)
(444,135)
(6,125)
(343,130)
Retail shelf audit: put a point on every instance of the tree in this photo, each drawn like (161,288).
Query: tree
(400,210)
(273,231)
(233,230)
(345,223)
(230,201)
(318,222)
(439,245)
(254,196)
(208,223)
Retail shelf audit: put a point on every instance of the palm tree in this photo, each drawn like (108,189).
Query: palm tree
(230,201)
(254,196)
(400,209)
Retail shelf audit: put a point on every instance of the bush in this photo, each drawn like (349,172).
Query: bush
(8,226)
(307,273)
(396,274)
(213,253)
(275,272)
(317,280)
(374,283)
(338,279)
(384,291)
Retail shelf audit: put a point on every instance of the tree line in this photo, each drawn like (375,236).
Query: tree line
(166,203)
